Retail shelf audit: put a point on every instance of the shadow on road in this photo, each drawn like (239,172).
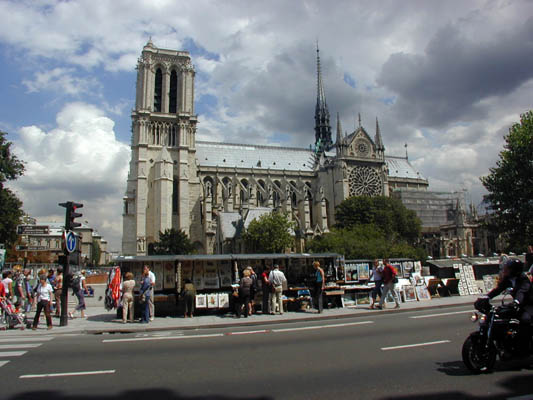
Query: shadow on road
(453,368)
(159,394)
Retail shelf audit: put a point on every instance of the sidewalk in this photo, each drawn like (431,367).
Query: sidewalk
(100,321)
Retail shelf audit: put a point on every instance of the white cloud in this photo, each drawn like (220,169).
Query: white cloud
(60,80)
(81,160)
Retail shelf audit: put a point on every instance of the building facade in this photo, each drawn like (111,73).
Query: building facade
(212,191)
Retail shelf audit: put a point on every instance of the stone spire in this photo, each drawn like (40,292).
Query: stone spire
(322,126)
(378,140)
(339,131)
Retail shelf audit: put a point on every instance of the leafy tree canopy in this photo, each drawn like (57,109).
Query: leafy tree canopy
(271,233)
(171,242)
(10,206)
(385,214)
(510,185)
(95,253)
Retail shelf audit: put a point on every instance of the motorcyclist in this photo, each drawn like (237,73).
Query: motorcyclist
(514,278)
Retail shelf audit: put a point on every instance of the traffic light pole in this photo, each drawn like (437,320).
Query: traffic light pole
(63,321)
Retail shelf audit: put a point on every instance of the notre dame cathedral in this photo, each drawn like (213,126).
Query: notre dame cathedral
(212,191)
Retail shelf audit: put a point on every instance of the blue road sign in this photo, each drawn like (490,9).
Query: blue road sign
(71,242)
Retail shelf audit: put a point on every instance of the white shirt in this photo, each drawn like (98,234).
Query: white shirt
(277,278)
(7,282)
(44,292)
(151,275)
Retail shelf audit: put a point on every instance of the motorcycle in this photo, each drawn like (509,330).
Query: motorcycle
(498,336)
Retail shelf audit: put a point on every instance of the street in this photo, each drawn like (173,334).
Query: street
(411,354)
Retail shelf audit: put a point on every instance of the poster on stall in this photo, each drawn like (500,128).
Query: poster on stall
(186,270)
(364,272)
(348,299)
(169,281)
(409,293)
(418,266)
(201,301)
(212,300)
(224,273)
(422,293)
(211,280)
(198,275)
(398,267)
(351,272)
(223,300)
(159,275)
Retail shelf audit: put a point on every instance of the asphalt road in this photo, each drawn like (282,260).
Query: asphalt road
(389,356)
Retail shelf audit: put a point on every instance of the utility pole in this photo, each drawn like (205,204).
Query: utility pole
(70,245)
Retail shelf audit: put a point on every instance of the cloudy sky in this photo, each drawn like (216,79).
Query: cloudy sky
(446,77)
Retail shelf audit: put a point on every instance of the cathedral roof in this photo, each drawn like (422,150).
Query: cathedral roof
(211,154)
(400,167)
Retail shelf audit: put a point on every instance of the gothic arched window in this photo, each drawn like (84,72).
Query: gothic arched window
(158,90)
(172,100)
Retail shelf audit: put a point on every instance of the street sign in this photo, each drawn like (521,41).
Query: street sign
(71,241)
(33,230)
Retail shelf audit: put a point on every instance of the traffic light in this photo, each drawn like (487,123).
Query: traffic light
(71,215)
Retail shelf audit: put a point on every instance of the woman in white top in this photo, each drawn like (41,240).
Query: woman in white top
(44,294)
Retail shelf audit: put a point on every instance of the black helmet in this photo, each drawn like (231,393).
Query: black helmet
(515,266)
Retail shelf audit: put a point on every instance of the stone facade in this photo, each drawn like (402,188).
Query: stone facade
(212,191)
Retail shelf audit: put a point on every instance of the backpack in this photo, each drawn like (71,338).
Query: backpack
(75,282)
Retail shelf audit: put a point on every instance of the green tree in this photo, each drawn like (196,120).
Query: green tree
(510,186)
(271,233)
(10,206)
(96,253)
(171,242)
(386,214)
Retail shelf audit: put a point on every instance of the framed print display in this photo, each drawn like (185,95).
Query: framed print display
(169,279)
(422,293)
(186,270)
(348,299)
(224,272)
(409,293)
(201,301)
(398,267)
(417,266)
(351,272)
(159,275)
(212,300)
(364,272)
(223,300)
(362,298)
(488,280)
(211,280)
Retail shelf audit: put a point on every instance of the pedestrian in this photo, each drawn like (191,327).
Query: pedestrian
(51,277)
(44,293)
(19,289)
(8,283)
(253,290)
(277,280)
(389,276)
(29,290)
(145,292)
(79,287)
(151,275)
(266,289)
(377,277)
(58,290)
(127,297)
(188,295)
(320,285)
(245,289)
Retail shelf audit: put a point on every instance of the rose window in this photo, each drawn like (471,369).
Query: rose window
(365,181)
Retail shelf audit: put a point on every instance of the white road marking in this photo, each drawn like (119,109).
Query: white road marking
(19,346)
(2,363)
(162,338)
(308,328)
(83,373)
(524,397)
(246,332)
(407,346)
(441,314)
(27,339)
(12,353)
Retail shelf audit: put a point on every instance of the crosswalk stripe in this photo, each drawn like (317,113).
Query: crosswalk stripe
(12,353)
(27,339)
(19,346)
(2,363)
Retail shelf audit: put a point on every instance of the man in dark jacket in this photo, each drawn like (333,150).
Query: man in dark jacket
(514,278)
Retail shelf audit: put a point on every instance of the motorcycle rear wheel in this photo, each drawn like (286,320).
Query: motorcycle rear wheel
(476,357)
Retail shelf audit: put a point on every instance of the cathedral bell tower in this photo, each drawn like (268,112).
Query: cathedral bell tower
(162,147)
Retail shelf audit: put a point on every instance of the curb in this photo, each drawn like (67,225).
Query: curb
(260,323)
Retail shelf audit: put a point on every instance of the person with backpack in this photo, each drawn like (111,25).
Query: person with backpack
(78,288)
(389,277)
